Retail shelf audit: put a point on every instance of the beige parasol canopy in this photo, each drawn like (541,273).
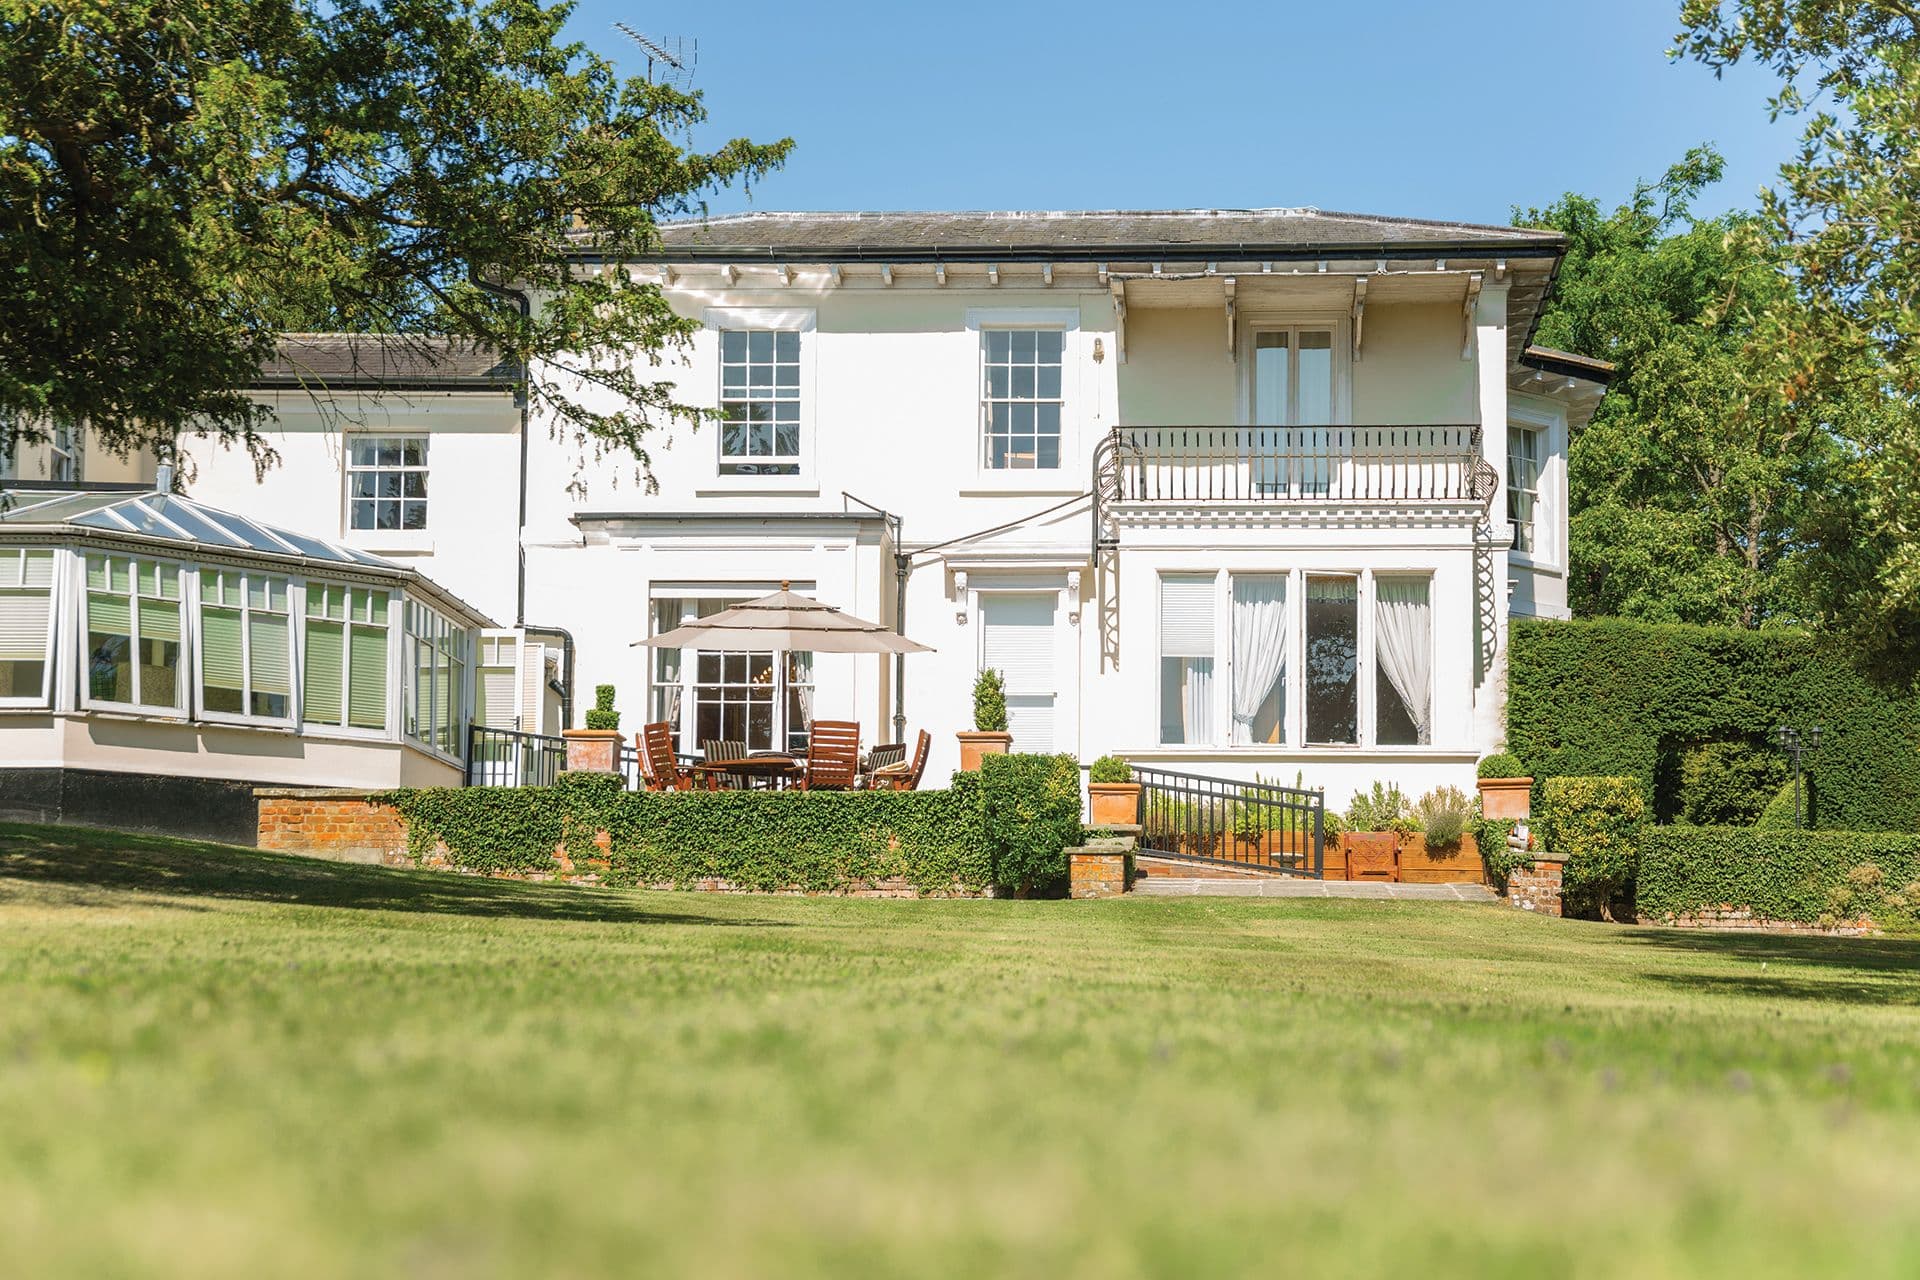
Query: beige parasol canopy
(783,622)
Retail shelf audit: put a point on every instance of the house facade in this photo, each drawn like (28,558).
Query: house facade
(1237,493)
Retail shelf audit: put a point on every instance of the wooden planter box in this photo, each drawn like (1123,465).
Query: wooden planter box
(1506,798)
(1458,864)
(1370,855)
(975,744)
(1113,804)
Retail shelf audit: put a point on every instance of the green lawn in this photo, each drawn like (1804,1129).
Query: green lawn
(215,1062)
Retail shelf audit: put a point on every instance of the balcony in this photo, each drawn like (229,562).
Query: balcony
(1272,466)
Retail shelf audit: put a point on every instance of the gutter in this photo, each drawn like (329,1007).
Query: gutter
(1552,247)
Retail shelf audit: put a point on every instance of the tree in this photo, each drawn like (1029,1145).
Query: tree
(182,179)
(1685,506)
(1847,213)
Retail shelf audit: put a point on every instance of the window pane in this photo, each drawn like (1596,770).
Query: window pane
(760,346)
(324,674)
(786,346)
(1270,378)
(1260,639)
(367,682)
(1316,378)
(733,345)
(1186,658)
(1332,687)
(159,654)
(1403,660)
(24,620)
(221,678)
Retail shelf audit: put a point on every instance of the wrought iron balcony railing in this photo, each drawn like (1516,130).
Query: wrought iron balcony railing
(1348,464)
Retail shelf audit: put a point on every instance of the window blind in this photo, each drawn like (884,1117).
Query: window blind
(367,694)
(326,664)
(496,710)
(272,663)
(1017,640)
(1186,616)
(220,649)
(111,614)
(23,626)
(159,620)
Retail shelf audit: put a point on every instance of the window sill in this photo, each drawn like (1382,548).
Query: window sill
(737,486)
(390,542)
(1281,751)
(1525,560)
(1050,483)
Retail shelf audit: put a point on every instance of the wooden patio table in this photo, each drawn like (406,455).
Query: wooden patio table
(771,768)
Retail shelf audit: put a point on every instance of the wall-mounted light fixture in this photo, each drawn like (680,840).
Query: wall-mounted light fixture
(1099,351)
(960,595)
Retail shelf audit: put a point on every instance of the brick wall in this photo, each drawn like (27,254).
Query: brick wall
(1099,870)
(1727,916)
(338,825)
(1537,888)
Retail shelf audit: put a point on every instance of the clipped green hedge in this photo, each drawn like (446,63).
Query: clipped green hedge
(1597,825)
(1030,814)
(1006,826)
(1609,697)
(1810,877)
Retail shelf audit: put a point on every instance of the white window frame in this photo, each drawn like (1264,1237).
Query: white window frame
(246,610)
(1222,636)
(395,650)
(805,322)
(424,469)
(461,638)
(55,603)
(66,446)
(1549,503)
(188,666)
(1250,323)
(688,687)
(1067,476)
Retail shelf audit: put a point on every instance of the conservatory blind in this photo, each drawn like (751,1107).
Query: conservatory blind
(26,568)
(367,691)
(219,649)
(326,664)
(23,626)
(110,614)
(272,663)
(1186,616)
(159,620)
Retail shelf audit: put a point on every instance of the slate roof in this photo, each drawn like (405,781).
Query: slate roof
(1114,234)
(1554,360)
(397,362)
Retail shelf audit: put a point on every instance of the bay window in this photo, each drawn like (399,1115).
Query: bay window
(345,675)
(1186,658)
(26,624)
(435,667)
(134,633)
(246,645)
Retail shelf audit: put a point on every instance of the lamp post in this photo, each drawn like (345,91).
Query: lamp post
(1793,743)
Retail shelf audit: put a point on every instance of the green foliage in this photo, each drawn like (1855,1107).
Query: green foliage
(1728,783)
(1030,807)
(1846,214)
(1110,769)
(1615,697)
(602,715)
(1490,834)
(1443,814)
(1502,764)
(1597,825)
(821,841)
(1780,815)
(1797,876)
(1383,808)
(990,702)
(179,181)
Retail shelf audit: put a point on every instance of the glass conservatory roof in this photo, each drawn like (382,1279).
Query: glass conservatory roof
(176,519)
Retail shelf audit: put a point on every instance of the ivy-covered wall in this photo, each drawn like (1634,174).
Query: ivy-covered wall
(1007,828)
(1690,713)
(1824,878)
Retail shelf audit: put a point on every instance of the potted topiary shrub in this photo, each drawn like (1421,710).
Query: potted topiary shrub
(1506,789)
(989,736)
(1113,797)
(602,715)
(596,748)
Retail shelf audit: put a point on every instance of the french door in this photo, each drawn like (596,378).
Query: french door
(1293,389)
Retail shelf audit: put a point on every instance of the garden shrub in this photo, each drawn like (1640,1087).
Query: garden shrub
(1110,769)
(1597,825)
(1030,808)
(1803,877)
(1444,813)
(1502,764)
(1384,808)
(1610,697)
(1728,784)
(990,702)
(1501,862)
(602,715)
(1779,813)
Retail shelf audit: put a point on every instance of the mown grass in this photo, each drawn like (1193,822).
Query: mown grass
(217,1062)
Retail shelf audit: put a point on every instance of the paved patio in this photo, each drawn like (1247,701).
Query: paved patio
(1291,887)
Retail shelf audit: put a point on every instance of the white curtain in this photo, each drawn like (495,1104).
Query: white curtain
(1196,700)
(1405,631)
(1259,646)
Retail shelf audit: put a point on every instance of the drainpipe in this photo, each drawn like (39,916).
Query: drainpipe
(525,305)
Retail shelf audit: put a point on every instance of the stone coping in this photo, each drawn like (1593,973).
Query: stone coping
(318,793)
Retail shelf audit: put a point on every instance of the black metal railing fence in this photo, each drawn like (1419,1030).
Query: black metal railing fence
(1252,824)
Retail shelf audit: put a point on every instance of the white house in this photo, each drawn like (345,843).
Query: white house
(1233,493)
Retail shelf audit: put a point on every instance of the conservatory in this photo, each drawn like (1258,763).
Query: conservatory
(150,637)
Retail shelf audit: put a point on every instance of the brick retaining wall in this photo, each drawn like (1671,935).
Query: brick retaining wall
(1537,888)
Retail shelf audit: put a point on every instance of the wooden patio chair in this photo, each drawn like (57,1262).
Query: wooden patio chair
(658,767)
(887,753)
(905,776)
(833,756)
(725,749)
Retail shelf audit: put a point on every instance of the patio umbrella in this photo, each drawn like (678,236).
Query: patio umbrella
(782,622)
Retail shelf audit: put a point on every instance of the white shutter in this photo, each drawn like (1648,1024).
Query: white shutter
(1186,615)
(496,698)
(1018,640)
(533,685)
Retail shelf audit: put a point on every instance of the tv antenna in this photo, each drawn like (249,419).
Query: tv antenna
(675,55)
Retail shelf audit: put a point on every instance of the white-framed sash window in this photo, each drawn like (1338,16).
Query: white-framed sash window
(761,698)
(246,646)
(346,648)
(1022,400)
(1187,690)
(136,634)
(760,402)
(387,482)
(26,625)
(1526,450)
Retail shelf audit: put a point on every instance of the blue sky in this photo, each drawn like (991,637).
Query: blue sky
(1457,110)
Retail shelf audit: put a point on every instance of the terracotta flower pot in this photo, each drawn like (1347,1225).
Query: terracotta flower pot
(1113,804)
(1506,797)
(974,744)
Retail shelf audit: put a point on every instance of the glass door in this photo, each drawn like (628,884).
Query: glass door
(1293,392)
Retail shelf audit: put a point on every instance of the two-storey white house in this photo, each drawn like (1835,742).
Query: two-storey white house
(1232,492)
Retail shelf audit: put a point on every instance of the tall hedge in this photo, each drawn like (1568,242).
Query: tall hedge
(1638,699)
(1030,810)
(1809,877)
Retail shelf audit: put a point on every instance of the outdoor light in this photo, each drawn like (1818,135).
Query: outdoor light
(1794,743)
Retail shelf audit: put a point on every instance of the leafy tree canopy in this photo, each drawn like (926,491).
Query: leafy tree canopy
(182,179)
(1846,215)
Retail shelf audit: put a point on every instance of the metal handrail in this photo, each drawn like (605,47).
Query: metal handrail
(1251,824)
(511,758)
(1186,464)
